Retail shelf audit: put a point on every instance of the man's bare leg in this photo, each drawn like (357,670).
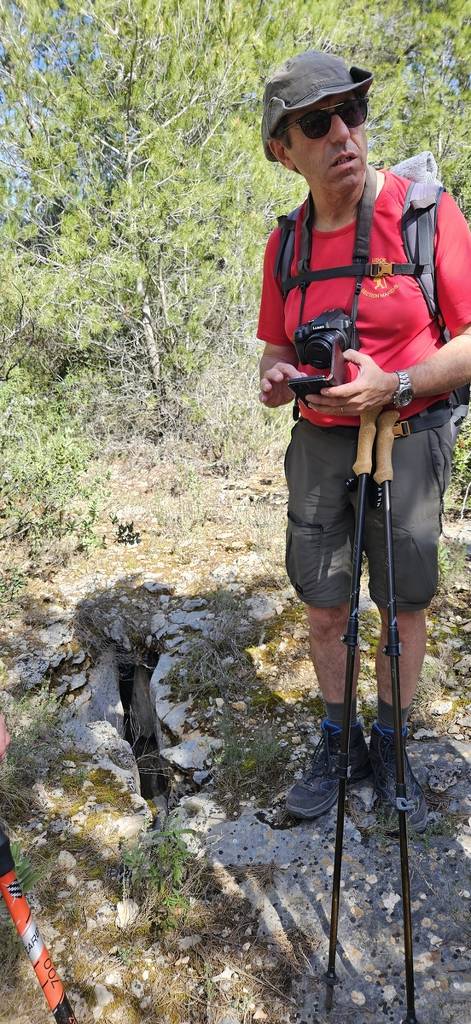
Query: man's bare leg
(326,626)
(328,653)
(413,637)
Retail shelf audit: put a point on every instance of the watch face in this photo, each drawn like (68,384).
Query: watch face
(404,397)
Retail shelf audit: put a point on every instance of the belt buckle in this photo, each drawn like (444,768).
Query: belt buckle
(402,429)
(382,269)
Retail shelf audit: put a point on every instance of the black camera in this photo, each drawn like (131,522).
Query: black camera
(321,343)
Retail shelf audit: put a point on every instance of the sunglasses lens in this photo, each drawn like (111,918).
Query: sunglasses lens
(317,122)
(354,112)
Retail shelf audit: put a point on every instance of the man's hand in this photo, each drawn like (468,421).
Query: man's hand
(372,386)
(274,390)
(4,738)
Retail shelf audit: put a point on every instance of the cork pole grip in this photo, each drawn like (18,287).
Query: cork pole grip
(384,443)
(366,440)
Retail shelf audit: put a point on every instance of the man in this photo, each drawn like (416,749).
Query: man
(4,738)
(314,124)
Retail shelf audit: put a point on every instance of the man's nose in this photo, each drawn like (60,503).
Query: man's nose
(339,131)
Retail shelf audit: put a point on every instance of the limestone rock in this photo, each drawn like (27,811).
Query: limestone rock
(193,752)
(441,707)
(127,912)
(105,700)
(262,607)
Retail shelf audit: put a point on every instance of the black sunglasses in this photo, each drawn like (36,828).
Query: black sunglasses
(316,123)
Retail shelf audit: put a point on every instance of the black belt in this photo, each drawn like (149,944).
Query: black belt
(433,416)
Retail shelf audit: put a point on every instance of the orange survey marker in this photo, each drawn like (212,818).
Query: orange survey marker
(29,933)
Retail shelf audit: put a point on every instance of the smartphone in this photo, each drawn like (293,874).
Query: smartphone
(303,386)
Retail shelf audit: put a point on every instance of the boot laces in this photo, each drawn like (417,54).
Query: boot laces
(324,757)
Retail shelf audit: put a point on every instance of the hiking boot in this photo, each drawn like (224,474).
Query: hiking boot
(317,791)
(383,763)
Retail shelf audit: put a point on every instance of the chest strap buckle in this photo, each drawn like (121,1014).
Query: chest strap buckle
(380,269)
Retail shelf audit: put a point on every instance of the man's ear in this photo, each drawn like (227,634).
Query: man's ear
(281,153)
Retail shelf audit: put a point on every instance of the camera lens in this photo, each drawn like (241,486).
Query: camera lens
(319,350)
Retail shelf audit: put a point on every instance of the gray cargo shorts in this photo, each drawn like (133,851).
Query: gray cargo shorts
(321,515)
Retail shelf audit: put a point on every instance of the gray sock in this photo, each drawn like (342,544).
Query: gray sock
(335,712)
(386,715)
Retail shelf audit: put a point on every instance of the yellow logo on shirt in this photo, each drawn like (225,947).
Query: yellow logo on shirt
(380,287)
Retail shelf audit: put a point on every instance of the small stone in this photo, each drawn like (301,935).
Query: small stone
(114,978)
(358,998)
(219,702)
(137,988)
(188,942)
(463,987)
(102,996)
(260,1014)
(239,705)
(261,607)
(66,860)
(158,623)
(389,901)
(389,993)
(425,734)
(127,911)
(441,707)
(226,975)
(157,587)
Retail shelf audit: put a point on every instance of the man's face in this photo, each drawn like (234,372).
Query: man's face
(336,161)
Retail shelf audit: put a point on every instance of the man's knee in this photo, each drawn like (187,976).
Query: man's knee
(327,623)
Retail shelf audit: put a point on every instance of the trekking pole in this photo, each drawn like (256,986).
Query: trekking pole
(383,477)
(28,931)
(362,469)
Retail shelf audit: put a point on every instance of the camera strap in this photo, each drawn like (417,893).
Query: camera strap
(361,249)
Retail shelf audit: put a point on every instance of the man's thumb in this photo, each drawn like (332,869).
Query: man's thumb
(352,356)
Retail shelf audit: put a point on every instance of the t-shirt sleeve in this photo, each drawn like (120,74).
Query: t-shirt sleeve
(271,320)
(453,265)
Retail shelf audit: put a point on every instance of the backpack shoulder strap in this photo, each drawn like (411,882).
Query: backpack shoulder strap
(419,221)
(285,253)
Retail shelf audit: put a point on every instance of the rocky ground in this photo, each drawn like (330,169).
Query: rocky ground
(162,700)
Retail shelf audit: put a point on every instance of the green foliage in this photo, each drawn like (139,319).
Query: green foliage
(125,532)
(27,874)
(158,863)
(12,582)
(249,764)
(43,457)
(32,722)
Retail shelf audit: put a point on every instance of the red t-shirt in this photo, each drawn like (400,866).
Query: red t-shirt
(393,321)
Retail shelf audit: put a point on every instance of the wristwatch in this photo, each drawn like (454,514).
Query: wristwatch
(403,394)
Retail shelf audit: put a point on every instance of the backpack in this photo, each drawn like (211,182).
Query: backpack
(419,219)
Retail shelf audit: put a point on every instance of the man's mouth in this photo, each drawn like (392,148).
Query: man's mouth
(344,158)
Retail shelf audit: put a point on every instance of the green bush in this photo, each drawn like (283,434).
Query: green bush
(44,453)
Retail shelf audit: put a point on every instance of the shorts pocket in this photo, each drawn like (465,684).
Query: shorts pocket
(416,571)
(303,555)
(441,452)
